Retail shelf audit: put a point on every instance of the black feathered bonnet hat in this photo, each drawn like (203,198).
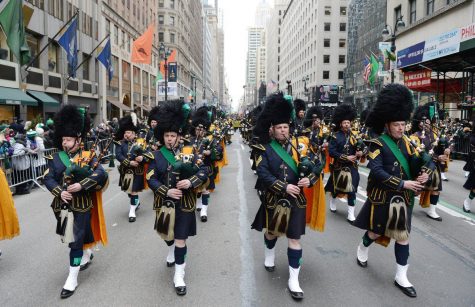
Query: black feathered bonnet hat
(70,121)
(343,112)
(394,103)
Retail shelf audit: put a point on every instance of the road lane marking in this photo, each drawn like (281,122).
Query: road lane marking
(247,283)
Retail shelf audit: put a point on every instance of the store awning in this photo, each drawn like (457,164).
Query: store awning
(15,96)
(121,106)
(44,98)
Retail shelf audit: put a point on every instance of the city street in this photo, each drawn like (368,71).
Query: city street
(225,260)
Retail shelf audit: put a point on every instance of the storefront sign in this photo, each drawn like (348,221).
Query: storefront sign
(442,45)
(417,79)
(467,32)
(411,55)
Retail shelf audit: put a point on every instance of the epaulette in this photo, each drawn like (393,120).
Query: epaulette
(117,142)
(259,147)
(49,157)
(307,130)
(374,141)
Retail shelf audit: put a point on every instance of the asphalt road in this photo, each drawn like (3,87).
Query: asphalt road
(225,259)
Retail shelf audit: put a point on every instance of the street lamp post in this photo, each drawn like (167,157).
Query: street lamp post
(164,54)
(399,24)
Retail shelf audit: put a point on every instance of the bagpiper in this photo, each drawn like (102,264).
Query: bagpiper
(283,174)
(210,151)
(427,138)
(174,175)
(397,173)
(152,123)
(299,125)
(345,150)
(470,182)
(75,178)
(132,155)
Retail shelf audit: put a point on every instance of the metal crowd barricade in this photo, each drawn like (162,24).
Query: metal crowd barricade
(461,146)
(30,167)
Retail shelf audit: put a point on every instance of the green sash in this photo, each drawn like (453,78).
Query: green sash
(284,155)
(398,154)
(168,155)
(64,158)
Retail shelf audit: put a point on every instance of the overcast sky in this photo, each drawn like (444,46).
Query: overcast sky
(238,16)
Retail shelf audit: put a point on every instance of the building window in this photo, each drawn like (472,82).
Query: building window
(116,35)
(38,3)
(172,4)
(340,75)
(326,42)
(161,3)
(85,67)
(172,38)
(53,57)
(342,10)
(342,43)
(160,37)
(136,75)
(341,59)
(326,74)
(34,45)
(55,8)
(172,21)
(430,7)
(328,10)
(412,11)
(342,27)
(125,71)
(115,66)
(397,13)
(161,20)
(326,58)
(326,26)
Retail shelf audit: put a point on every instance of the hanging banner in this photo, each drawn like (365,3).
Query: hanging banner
(410,55)
(172,89)
(172,72)
(387,58)
(417,79)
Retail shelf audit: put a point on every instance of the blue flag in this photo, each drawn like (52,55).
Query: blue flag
(105,58)
(69,42)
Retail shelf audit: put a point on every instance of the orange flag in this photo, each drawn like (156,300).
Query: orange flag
(142,47)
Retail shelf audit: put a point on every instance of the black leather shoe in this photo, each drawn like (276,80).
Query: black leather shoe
(439,219)
(86,265)
(362,264)
(270,268)
(170,264)
(351,222)
(295,295)
(180,290)
(131,219)
(333,211)
(409,291)
(463,207)
(204,218)
(445,179)
(66,293)
(198,209)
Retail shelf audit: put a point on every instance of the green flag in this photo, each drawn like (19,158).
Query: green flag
(158,78)
(11,20)
(374,69)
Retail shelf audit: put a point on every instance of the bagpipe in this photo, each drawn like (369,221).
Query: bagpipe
(185,166)
(78,169)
